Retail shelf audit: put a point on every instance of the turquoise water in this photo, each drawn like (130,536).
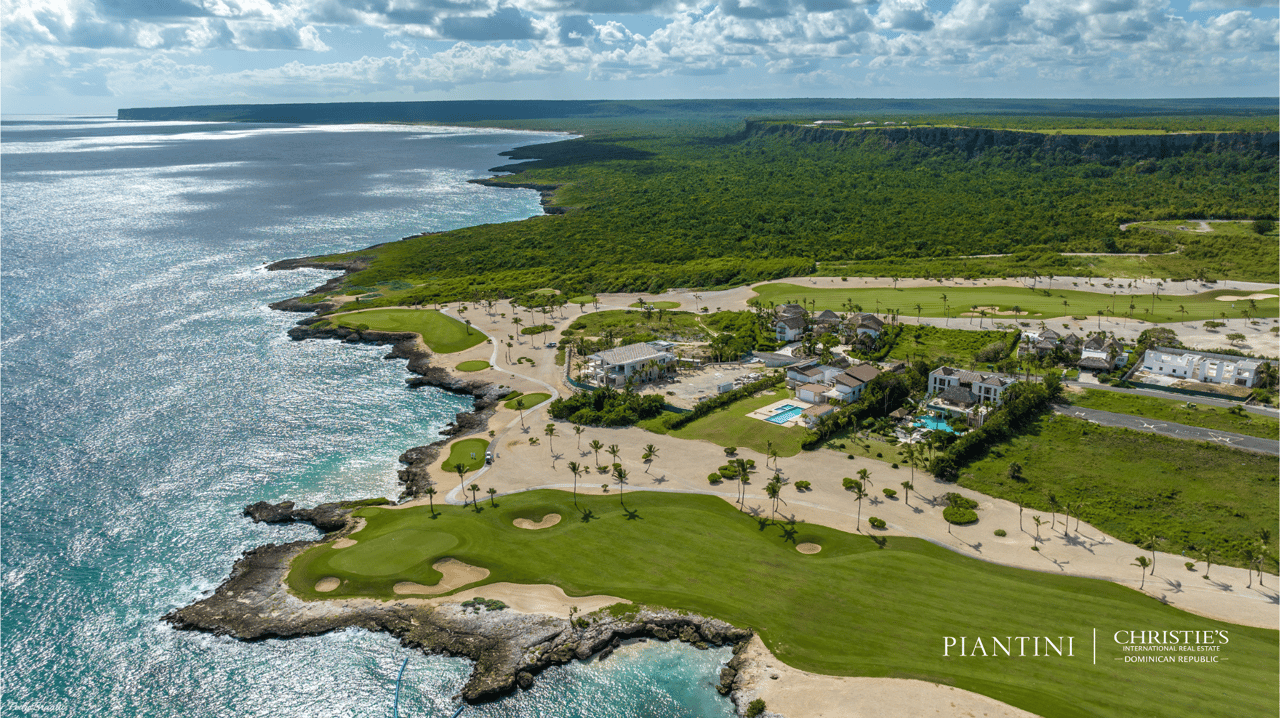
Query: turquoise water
(933,424)
(785,413)
(149,394)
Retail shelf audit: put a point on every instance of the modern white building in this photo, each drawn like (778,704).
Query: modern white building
(638,362)
(1204,367)
(958,390)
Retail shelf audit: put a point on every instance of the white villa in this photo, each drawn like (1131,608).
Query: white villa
(638,362)
(960,392)
(790,328)
(1204,367)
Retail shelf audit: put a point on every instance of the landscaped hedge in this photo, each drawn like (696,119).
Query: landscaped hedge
(606,406)
(706,407)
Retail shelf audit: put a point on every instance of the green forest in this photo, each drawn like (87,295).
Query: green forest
(689,206)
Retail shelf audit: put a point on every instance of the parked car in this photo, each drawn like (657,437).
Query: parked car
(551,345)
(488,457)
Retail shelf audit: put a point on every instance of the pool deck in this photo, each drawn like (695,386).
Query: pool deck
(764,412)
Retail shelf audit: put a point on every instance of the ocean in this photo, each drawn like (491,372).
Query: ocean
(149,395)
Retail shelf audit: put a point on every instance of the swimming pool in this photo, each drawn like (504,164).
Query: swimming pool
(785,413)
(933,424)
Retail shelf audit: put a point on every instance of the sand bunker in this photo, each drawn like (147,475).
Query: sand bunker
(456,574)
(533,598)
(808,548)
(547,522)
(346,542)
(991,310)
(1234,298)
(327,584)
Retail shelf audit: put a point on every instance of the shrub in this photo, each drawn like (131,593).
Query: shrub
(755,708)
(959,516)
(714,478)
(1191,566)
(1001,533)
(730,450)
(889,493)
(876,523)
(803,485)
(537,329)
(894,466)
(957,501)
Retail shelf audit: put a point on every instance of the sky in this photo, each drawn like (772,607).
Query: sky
(95,56)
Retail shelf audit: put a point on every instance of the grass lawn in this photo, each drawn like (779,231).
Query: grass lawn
(624,324)
(730,426)
(585,299)
(1133,485)
(530,400)
(1208,417)
(443,334)
(872,446)
(1033,304)
(473,365)
(935,343)
(854,609)
(461,452)
(657,305)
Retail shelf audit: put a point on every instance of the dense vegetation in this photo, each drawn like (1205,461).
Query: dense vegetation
(606,406)
(866,606)
(653,209)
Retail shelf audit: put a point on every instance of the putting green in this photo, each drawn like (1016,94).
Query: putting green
(469,452)
(474,365)
(442,333)
(530,400)
(393,553)
(854,609)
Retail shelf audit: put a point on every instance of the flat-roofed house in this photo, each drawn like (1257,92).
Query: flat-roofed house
(985,388)
(1206,367)
(812,393)
(812,414)
(639,362)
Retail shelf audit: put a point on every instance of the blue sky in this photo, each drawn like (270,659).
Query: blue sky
(94,56)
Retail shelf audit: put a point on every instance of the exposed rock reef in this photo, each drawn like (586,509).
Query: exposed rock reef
(509,649)
(973,141)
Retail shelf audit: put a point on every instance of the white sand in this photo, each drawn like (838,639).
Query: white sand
(547,522)
(1234,298)
(533,598)
(327,584)
(799,694)
(456,574)
(348,542)
(808,548)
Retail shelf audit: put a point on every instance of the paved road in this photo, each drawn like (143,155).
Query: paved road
(1177,431)
(1207,401)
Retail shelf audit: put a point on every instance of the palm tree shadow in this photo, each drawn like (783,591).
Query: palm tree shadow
(1175,586)
(1074,540)
(632,514)
(587,515)
(1221,585)
(788,533)
(661,479)
(754,510)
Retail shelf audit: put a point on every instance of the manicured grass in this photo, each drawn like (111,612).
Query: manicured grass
(442,333)
(956,346)
(473,365)
(530,400)
(656,305)
(853,609)
(872,446)
(581,300)
(630,325)
(461,452)
(1208,417)
(730,426)
(1032,304)
(1133,485)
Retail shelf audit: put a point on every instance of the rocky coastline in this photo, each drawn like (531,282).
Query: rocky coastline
(509,649)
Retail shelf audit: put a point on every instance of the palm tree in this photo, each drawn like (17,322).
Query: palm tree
(431,501)
(918,310)
(1142,564)
(550,431)
(911,459)
(596,446)
(575,468)
(773,454)
(520,408)
(768,450)
(773,491)
(474,488)
(1150,543)
(517,321)
(1250,555)
(577,429)
(613,451)
(492,491)
(461,468)
(907,486)
(944,309)
(1053,504)
(1037,521)
(865,476)
(620,475)
(860,493)
(1206,555)
(650,453)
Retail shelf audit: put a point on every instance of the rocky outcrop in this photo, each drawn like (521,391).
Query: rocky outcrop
(325,517)
(509,649)
(546,192)
(973,141)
